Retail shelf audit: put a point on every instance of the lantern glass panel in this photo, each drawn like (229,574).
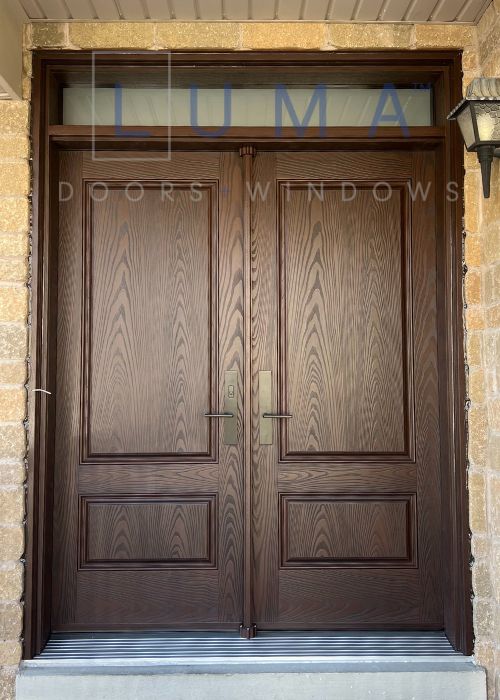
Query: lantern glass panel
(488,120)
(465,123)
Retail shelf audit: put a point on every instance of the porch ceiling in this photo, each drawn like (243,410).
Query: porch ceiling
(284,10)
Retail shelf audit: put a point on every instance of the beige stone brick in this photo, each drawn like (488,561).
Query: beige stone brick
(12,270)
(477,502)
(481,580)
(494,501)
(11,505)
(13,245)
(483,617)
(443,36)
(14,147)
(473,250)
(112,35)
(13,341)
(489,43)
(492,283)
(27,62)
(12,404)
(474,348)
(12,473)
(13,303)
(470,59)
(14,179)
(473,288)
(494,414)
(11,620)
(11,543)
(475,318)
(470,161)
(48,34)
(7,683)
(198,35)
(10,653)
(12,372)
(478,434)
(13,117)
(493,316)
(491,241)
(472,201)
(11,583)
(351,36)
(491,64)
(12,441)
(283,35)
(14,217)
(476,386)
(480,547)
(494,454)
(26,88)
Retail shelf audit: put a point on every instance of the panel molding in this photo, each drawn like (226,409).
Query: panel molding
(209,561)
(87,456)
(408,501)
(407,455)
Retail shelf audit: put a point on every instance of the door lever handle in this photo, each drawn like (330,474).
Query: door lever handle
(277,415)
(219,415)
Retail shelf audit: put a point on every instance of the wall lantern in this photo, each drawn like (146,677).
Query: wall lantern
(478,116)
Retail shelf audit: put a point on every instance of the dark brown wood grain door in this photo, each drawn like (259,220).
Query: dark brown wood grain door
(147,494)
(346,500)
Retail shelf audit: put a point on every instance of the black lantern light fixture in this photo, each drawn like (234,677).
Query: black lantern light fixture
(478,116)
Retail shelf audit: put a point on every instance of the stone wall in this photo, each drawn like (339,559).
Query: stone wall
(481,53)
(482,295)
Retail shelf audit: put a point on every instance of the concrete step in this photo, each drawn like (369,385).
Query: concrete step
(357,679)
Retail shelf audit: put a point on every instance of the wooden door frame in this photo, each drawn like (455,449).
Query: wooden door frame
(51,69)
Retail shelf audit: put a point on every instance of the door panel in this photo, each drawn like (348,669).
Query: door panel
(151,319)
(344,314)
(148,498)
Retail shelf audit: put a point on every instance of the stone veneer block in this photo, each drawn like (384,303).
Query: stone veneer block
(443,36)
(11,544)
(13,270)
(11,620)
(13,117)
(14,179)
(112,35)
(197,35)
(12,474)
(11,506)
(367,36)
(51,34)
(13,341)
(283,35)
(13,303)
(12,407)
(14,147)
(14,217)
(13,441)
(477,502)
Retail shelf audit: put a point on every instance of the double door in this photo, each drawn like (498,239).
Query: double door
(247,416)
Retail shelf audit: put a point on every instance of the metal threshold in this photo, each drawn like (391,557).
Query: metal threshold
(219,652)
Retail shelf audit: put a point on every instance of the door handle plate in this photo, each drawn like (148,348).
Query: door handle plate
(230,423)
(265,400)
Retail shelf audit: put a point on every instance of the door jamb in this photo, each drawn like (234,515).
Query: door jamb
(445,66)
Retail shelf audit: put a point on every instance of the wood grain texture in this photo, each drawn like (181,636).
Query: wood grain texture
(346,530)
(156,287)
(343,305)
(150,338)
(350,288)
(145,532)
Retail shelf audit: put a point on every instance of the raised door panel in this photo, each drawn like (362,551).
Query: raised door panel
(150,344)
(344,337)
